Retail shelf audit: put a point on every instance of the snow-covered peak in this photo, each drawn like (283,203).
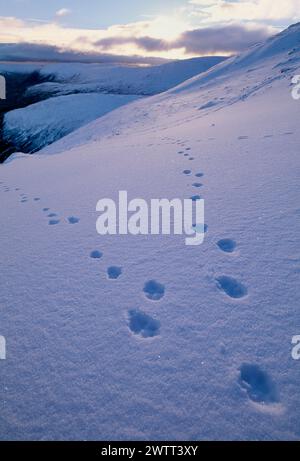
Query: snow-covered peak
(255,71)
(285,44)
(77,93)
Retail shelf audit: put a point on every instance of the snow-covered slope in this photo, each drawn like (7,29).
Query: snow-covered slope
(282,50)
(42,123)
(81,363)
(81,95)
(70,78)
(120,79)
(227,83)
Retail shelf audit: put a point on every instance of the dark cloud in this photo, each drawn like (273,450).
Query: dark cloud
(226,39)
(232,39)
(32,52)
(145,43)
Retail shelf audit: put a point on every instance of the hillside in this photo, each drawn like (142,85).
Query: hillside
(124,337)
(56,99)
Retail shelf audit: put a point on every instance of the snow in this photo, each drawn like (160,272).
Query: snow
(44,122)
(83,93)
(91,357)
(120,79)
(67,78)
(225,84)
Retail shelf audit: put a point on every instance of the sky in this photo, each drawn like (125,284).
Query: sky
(168,29)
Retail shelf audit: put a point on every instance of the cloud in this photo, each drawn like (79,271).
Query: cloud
(156,30)
(31,52)
(200,27)
(247,10)
(62,12)
(207,40)
(226,39)
(144,43)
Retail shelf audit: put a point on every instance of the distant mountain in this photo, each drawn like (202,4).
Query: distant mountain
(235,80)
(73,94)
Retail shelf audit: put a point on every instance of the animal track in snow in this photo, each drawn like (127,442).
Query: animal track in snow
(258,384)
(95,254)
(36,199)
(227,245)
(52,215)
(199,175)
(240,138)
(197,184)
(73,220)
(46,209)
(114,272)
(142,324)
(231,287)
(187,172)
(194,198)
(154,290)
(53,222)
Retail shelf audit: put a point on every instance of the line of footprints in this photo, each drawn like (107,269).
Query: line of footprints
(232,287)
(139,322)
(258,385)
(256,382)
(53,217)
